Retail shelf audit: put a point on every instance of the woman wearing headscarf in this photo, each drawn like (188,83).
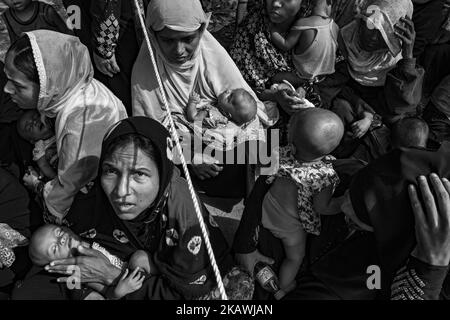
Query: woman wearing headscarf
(379,79)
(189,59)
(52,72)
(142,203)
(200,64)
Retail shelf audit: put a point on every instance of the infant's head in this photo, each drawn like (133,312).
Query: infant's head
(410,132)
(314,133)
(238,105)
(31,128)
(51,242)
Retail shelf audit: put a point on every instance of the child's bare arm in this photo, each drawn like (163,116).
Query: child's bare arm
(325,204)
(128,283)
(287,43)
(99,287)
(46,168)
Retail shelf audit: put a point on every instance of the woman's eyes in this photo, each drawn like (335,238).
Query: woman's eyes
(140,174)
(166,40)
(112,171)
(109,171)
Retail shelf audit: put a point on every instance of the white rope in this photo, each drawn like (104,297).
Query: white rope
(183,160)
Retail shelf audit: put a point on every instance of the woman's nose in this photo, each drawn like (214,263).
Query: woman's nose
(179,47)
(276,4)
(9,88)
(123,186)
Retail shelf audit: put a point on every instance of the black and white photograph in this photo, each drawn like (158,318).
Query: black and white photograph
(249,152)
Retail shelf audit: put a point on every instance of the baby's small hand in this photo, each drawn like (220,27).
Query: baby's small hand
(210,123)
(194,97)
(129,283)
(361,127)
(31,178)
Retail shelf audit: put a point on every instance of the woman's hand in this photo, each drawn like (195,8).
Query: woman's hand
(206,171)
(249,260)
(91,266)
(108,67)
(291,77)
(405,31)
(432,220)
(289,101)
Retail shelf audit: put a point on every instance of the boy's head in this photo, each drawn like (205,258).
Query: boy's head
(18,5)
(314,133)
(238,105)
(31,128)
(410,132)
(51,242)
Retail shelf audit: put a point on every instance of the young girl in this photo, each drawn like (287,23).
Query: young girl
(27,15)
(313,40)
(305,169)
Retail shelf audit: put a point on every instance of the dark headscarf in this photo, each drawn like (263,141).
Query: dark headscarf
(160,137)
(380,199)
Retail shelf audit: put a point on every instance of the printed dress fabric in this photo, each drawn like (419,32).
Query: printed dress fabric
(9,239)
(311,178)
(253,52)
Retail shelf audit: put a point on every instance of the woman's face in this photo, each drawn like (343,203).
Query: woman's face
(130,179)
(282,10)
(370,40)
(23,91)
(178,46)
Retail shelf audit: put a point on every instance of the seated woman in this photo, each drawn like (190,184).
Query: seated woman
(142,203)
(189,60)
(379,230)
(52,72)
(379,79)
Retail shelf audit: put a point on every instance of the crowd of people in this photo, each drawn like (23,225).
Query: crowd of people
(92,189)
